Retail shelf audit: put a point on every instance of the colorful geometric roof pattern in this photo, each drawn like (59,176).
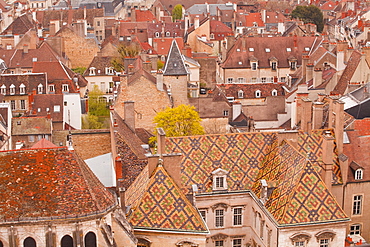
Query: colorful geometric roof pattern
(310,146)
(238,154)
(299,194)
(165,207)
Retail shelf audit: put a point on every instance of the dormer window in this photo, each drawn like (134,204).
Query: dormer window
(12,89)
(358,174)
(51,88)
(274,92)
(212,36)
(40,88)
(293,65)
(3,89)
(22,89)
(65,88)
(240,94)
(109,71)
(257,94)
(156,34)
(273,65)
(92,71)
(254,65)
(168,34)
(219,179)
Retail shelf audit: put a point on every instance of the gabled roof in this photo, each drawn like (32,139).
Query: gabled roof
(254,20)
(348,73)
(164,207)
(144,15)
(30,81)
(163,45)
(175,62)
(300,195)
(43,143)
(49,188)
(21,25)
(43,104)
(100,63)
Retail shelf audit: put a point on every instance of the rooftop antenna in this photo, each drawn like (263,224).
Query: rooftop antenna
(70,145)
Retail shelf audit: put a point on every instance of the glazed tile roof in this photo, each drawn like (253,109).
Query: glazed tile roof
(299,194)
(164,207)
(250,157)
(43,183)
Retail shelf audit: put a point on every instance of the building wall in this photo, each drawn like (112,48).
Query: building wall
(266,110)
(193,42)
(257,228)
(148,101)
(170,239)
(247,74)
(179,88)
(72,110)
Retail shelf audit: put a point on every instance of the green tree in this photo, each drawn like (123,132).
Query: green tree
(79,70)
(177,12)
(125,50)
(182,120)
(160,64)
(309,14)
(91,122)
(98,111)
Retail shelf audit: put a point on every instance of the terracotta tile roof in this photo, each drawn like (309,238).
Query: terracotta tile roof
(175,62)
(255,47)
(300,195)
(174,29)
(328,6)
(144,16)
(249,90)
(44,104)
(56,183)
(348,72)
(20,25)
(100,63)
(254,18)
(274,17)
(30,81)
(43,143)
(162,45)
(31,126)
(220,30)
(164,207)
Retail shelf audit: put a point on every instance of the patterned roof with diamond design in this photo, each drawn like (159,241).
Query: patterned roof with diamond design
(238,154)
(299,194)
(165,207)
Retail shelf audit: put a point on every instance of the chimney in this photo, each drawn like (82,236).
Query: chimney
(339,124)
(340,61)
(196,21)
(305,59)
(263,14)
(16,39)
(129,114)
(306,120)
(317,77)
(317,115)
(309,71)
(237,109)
(327,158)
(161,140)
(147,66)
(160,80)
(25,48)
(130,69)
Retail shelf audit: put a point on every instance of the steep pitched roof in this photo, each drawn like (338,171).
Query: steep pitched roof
(175,62)
(20,25)
(164,207)
(43,143)
(56,183)
(300,195)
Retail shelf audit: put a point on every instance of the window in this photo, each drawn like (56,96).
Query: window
(357,201)
(51,88)
(3,89)
(23,104)
(31,138)
(203,213)
(212,36)
(273,65)
(219,182)
(251,49)
(168,34)
(358,174)
(274,92)
(282,79)
(263,79)
(92,71)
(237,242)
(237,218)
(12,89)
(57,108)
(293,65)
(267,50)
(39,88)
(254,66)
(230,80)
(22,89)
(324,242)
(241,80)
(355,229)
(12,104)
(240,94)
(298,244)
(258,94)
(156,34)
(65,87)
(219,218)
(219,178)
(219,243)
(253,80)
(98,23)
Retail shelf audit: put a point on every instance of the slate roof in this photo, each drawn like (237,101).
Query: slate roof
(55,183)
(249,157)
(31,126)
(175,62)
(348,72)
(164,207)
(277,49)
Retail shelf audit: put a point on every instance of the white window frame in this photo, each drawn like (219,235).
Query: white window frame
(300,244)
(56,108)
(230,80)
(357,205)
(220,218)
(3,89)
(22,89)
(274,92)
(355,229)
(12,89)
(241,80)
(358,174)
(274,65)
(254,66)
(240,94)
(226,113)
(12,105)
(23,104)
(51,88)
(65,88)
(237,242)
(40,88)
(257,93)
(324,242)
(203,214)
(237,216)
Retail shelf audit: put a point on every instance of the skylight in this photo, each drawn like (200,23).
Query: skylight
(267,49)
(288,49)
(251,49)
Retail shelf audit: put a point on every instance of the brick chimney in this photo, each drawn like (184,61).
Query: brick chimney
(305,60)
(161,140)
(160,80)
(317,115)
(196,21)
(306,121)
(317,77)
(327,158)
(309,71)
(25,48)
(129,114)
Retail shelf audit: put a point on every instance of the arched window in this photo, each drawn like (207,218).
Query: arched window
(90,239)
(29,242)
(22,89)
(40,88)
(156,34)
(240,94)
(274,92)
(358,174)
(12,89)
(168,34)
(67,241)
(258,94)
